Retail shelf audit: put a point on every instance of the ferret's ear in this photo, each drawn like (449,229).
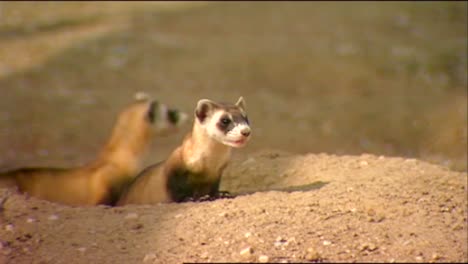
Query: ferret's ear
(241,103)
(141,96)
(204,106)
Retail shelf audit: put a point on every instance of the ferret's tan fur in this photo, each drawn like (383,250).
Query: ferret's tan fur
(117,163)
(193,169)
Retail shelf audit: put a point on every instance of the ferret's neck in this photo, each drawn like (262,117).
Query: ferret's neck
(202,153)
(124,151)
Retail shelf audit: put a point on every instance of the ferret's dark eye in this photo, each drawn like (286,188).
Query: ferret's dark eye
(151,115)
(173,116)
(225,121)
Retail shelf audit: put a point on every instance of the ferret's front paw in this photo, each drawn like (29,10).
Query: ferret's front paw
(206,198)
(224,195)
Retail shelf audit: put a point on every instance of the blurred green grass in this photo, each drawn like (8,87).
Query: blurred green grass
(388,78)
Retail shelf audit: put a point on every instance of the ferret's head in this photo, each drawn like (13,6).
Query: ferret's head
(159,116)
(150,114)
(226,123)
(135,129)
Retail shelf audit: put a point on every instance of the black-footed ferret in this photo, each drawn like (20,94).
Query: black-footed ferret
(194,169)
(101,180)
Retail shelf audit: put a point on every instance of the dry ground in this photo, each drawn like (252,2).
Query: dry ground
(350,208)
(344,79)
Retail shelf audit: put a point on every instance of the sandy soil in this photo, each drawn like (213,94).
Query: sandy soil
(350,79)
(342,208)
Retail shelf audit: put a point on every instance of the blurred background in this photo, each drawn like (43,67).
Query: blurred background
(387,78)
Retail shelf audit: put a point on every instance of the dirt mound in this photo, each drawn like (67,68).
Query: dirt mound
(311,208)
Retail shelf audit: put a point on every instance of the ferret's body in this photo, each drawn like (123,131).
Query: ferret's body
(194,169)
(88,185)
(101,180)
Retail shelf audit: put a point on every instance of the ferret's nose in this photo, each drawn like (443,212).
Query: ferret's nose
(245,132)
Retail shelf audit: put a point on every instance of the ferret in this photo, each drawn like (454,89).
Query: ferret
(193,170)
(100,181)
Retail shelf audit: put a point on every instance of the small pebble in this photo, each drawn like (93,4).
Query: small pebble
(137,226)
(247,235)
(327,243)
(263,259)
(312,255)
(246,252)
(223,214)
(131,216)
(204,255)
(9,228)
(281,242)
(368,247)
(30,220)
(81,249)
(7,251)
(372,247)
(435,256)
(53,217)
(149,257)
(248,161)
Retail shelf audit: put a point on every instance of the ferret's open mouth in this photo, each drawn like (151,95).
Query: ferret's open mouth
(239,142)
